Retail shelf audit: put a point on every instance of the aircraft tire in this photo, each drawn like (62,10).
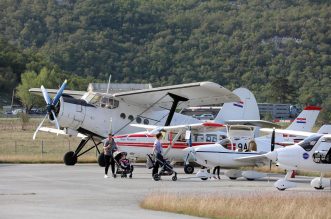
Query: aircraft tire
(188,169)
(250,179)
(233,178)
(70,158)
(319,188)
(101,160)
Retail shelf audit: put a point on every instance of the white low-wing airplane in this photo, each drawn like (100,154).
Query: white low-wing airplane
(311,154)
(222,153)
(93,115)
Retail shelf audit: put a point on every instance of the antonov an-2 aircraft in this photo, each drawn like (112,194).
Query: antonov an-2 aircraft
(92,115)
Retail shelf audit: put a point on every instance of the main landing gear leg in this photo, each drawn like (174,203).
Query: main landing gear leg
(70,158)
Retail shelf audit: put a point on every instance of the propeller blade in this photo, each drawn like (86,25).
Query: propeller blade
(45,94)
(59,93)
(35,133)
(56,121)
(273,140)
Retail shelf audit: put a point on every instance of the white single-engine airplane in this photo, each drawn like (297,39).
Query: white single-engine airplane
(223,154)
(93,115)
(311,154)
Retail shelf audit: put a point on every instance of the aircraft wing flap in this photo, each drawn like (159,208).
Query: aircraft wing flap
(200,93)
(52,92)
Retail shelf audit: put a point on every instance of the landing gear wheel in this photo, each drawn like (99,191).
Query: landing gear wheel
(204,179)
(174,178)
(70,158)
(281,189)
(233,178)
(188,169)
(250,179)
(156,177)
(101,160)
(319,188)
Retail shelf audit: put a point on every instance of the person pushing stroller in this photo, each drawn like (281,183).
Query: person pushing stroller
(160,161)
(158,153)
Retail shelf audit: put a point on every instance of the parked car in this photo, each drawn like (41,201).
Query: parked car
(205,117)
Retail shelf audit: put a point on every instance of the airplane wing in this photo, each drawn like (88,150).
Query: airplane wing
(258,159)
(288,132)
(260,123)
(59,132)
(200,93)
(52,92)
(197,127)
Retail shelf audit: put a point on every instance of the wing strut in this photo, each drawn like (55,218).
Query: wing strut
(176,99)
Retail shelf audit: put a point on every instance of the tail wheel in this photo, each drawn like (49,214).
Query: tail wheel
(70,158)
(101,160)
(188,169)
(174,178)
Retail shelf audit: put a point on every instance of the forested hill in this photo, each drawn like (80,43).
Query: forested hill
(278,49)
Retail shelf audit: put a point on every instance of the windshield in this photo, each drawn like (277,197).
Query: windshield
(309,143)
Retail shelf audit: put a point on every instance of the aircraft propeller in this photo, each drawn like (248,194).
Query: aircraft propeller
(272,148)
(50,106)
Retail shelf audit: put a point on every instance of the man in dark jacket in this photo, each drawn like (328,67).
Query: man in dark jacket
(109,147)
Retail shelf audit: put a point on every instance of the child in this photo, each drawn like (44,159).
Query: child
(124,162)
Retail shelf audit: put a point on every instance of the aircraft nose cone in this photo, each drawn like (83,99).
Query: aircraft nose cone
(272,155)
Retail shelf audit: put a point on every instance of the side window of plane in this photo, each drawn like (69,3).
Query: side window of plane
(130,117)
(211,138)
(109,103)
(146,121)
(122,115)
(138,120)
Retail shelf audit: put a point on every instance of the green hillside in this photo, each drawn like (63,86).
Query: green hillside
(279,49)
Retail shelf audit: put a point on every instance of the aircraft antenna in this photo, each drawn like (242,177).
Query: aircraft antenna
(108,83)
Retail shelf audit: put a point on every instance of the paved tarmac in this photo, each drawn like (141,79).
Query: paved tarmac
(59,191)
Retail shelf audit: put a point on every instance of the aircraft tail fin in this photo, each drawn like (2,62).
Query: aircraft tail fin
(325,129)
(245,109)
(305,120)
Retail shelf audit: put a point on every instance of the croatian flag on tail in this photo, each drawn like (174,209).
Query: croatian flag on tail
(239,104)
(301,120)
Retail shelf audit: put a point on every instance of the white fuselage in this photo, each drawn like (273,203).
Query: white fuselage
(83,117)
(213,155)
(296,158)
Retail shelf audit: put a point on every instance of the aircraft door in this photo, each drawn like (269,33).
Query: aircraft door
(79,116)
(322,153)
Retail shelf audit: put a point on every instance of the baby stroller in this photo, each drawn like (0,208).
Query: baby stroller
(123,165)
(165,168)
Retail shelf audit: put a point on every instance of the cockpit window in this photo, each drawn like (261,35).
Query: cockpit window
(109,102)
(309,143)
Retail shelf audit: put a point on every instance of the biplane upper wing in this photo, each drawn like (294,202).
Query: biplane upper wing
(52,92)
(195,94)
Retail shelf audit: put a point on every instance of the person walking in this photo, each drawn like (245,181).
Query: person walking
(109,147)
(157,151)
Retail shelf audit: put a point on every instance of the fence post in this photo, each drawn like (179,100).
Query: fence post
(42,148)
(69,145)
(15,147)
